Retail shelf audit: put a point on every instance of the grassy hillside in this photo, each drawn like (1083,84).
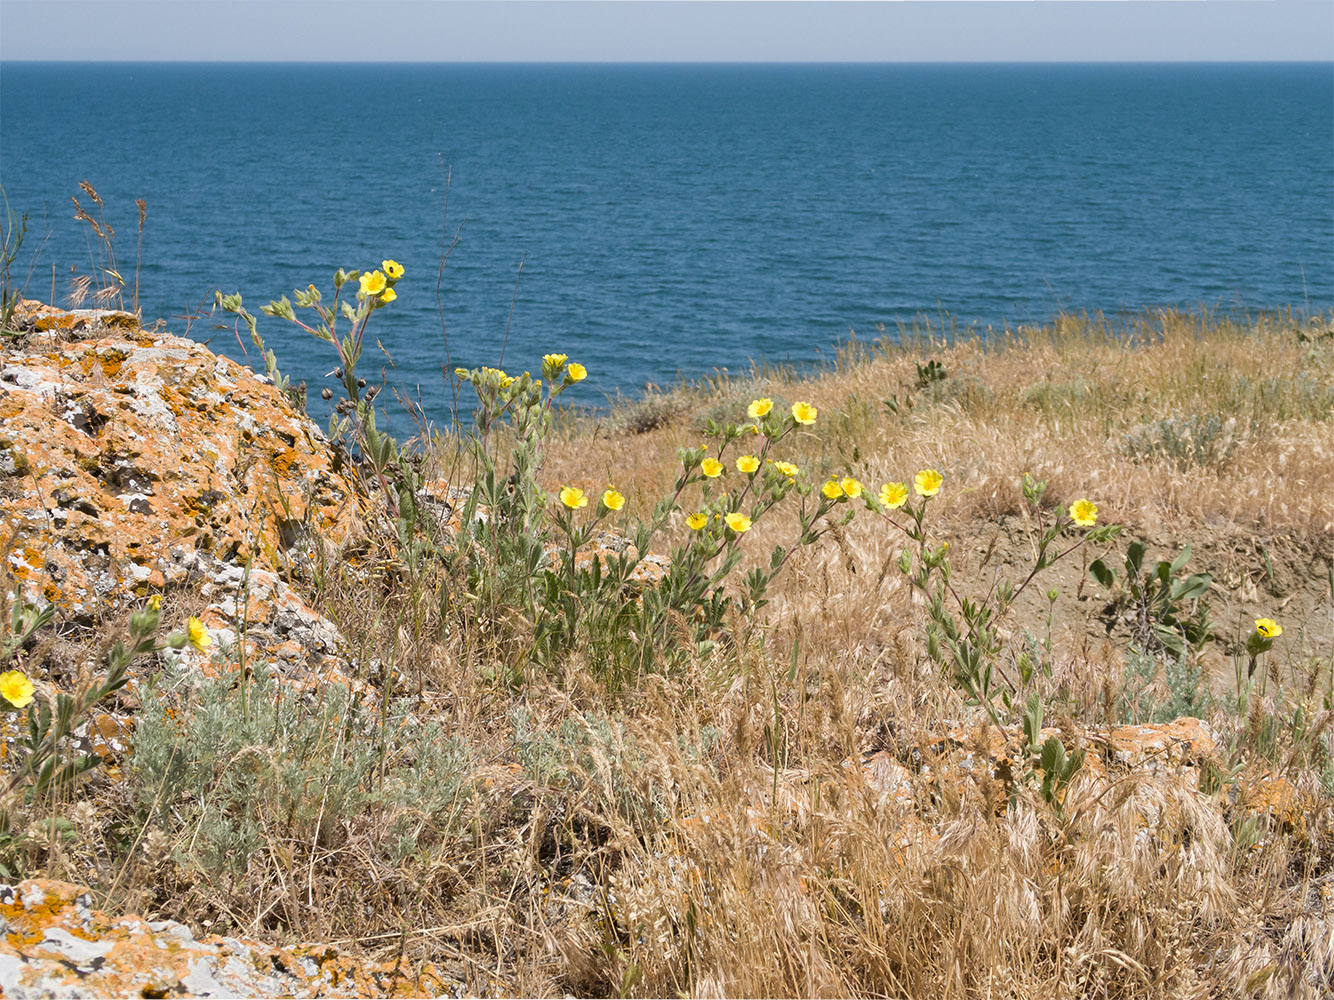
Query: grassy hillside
(562,776)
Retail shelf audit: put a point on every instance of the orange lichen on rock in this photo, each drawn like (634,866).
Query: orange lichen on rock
(56,944)
(147,454)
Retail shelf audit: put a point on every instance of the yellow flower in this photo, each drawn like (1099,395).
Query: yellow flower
(155,603)
(804,413)
(15,688)
(712,468)
(894,495)
(460,373)
(1266,627)
(697,521)
(1084,513)
(747,464)
(759,408)
(739,523)
(851,487)
(556,361)
(388,295)
(392,268)
(197,634)
(927,482)
(576,372)
(613,500)
(832,489)
(506,380)
(786,468)
(372,282)
(573,497)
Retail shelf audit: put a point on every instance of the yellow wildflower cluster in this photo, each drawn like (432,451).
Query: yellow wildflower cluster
(554,364)
(378,285)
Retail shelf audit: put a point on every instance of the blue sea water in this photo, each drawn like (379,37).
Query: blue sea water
(676,218)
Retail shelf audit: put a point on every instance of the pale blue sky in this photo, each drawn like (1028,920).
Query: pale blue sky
(640,30)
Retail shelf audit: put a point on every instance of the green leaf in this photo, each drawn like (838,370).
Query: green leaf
(1181,560)
(1102,573)
(1135,557)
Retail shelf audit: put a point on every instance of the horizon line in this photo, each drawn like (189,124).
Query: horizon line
(667,62)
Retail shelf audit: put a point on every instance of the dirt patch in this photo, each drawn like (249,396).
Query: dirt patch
(1254,576)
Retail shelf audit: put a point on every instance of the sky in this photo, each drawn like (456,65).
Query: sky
(645,30)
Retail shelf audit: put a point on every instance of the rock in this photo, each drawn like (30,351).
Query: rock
(56,944)
(133,462)
(1184,749)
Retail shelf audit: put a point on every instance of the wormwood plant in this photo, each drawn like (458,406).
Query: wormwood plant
(280,769)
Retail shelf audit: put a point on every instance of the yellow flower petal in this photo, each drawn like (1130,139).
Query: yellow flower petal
(747,464)
(573,497)
(894,495)
(1084,513)
(712,468)
(759,408)
(927,482)
(804,413)
(15,688)
(197,634)
(372,282)
(392,268)
(1268,628)
(576,372)
(739,523)
(697,521)
(613,500)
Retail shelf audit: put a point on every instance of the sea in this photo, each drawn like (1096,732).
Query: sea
(661,223)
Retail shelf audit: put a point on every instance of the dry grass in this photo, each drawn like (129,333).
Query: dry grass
(708,833)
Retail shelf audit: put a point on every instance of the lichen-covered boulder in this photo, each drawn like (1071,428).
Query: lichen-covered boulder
(133,462)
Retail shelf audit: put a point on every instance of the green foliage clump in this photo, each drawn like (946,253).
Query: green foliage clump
(241,772)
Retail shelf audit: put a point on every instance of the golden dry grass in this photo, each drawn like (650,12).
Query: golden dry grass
(710,834)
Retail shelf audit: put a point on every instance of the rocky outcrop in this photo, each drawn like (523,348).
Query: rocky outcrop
(54,944)
(133,463)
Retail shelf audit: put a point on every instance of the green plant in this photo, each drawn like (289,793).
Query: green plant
(932,371)
(519,549)
(1143,699)
(278,768)
(1166,608)
(46,769)
(11,242)
(963,634)
(1194,440)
